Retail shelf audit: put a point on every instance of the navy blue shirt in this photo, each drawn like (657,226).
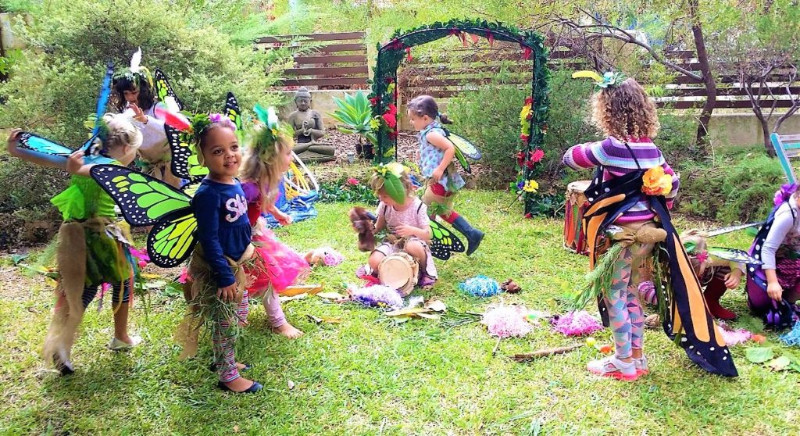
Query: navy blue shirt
(222,226)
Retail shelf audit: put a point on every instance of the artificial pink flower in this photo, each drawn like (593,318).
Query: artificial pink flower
(352,181)
(537,155)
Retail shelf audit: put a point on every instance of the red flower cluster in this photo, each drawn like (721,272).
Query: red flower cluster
(530,159)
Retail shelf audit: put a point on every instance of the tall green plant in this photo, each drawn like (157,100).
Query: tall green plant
(354,114)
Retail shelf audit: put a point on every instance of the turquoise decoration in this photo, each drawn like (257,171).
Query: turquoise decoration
(611,79)
(480,286)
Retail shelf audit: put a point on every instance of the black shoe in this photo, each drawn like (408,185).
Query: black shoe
(64,367)
(255,387)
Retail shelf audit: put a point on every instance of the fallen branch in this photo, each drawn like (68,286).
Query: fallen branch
(524,357)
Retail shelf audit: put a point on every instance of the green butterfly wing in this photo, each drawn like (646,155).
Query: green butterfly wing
(463,161)
(143,199)
(172,239)
(443,241)
(164,89)
(466,147)
(184,163)
(733,255)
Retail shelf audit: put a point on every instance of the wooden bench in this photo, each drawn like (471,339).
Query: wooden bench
(323,60)
(786,147)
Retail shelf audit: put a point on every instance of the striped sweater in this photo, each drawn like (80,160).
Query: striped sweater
(618,161)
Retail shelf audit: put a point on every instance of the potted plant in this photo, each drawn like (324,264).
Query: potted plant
(354,114)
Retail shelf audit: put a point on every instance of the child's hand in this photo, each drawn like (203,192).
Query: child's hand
(228,293)
(13,139)
(775,291)
(282,218)
(437,175)
(138,114)
(75,162)
(733,278)
(405,231)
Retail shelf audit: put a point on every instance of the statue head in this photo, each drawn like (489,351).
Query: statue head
(302,98)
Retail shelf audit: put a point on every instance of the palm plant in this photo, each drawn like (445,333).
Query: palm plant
(354,114)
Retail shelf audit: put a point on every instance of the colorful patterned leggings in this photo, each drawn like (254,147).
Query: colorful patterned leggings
(225,341)
(622,302)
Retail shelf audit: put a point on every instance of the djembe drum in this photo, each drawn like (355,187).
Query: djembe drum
(399,271)
(574,207)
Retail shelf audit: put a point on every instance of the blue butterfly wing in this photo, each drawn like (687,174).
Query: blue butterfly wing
(102,100)
(34,142)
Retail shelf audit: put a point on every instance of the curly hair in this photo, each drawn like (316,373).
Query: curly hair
(261,165)
(625,111)
(146,97)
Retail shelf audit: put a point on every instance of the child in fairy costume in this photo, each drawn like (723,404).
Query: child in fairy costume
(87,255)
(268,159)
(405,217)
(218,291)
(629,199)
(773,288)
(135,95)
(436,164)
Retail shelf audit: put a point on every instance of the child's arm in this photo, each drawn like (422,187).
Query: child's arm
(75,164)
(584,156)
(41,159)
(437,140)
(676,183)
(283,219)
(733,278)
(781,226)
(205,205)
(149,126)
(421,227)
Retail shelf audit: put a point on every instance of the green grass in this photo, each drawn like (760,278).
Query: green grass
(369,376)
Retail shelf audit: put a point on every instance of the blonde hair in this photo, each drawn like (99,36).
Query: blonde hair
(261,165)
(625,111)
(121,132)
(376,183)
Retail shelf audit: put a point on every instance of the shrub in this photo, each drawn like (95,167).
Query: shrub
(54,83)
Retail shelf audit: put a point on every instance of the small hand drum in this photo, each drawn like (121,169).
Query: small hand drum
(399,271)
(574,208)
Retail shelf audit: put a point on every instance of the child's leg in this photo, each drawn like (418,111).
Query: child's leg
(120,301)
(243,309)
(636,315)
(277,319)
(417,251)
(617,306)
(375,260)
(224,358)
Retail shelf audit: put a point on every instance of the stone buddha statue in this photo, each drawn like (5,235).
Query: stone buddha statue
(309,130)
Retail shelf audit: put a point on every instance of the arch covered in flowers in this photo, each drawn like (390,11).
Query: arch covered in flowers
(533,116)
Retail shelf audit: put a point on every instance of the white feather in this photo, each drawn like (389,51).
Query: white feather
(272,118)
(172,105)
(136,61)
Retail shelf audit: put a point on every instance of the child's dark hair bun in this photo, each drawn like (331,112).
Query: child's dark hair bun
(444,119)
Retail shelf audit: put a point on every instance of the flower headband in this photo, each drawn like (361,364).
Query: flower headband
(610,79)
(135,72)
(265,137)
(388,177)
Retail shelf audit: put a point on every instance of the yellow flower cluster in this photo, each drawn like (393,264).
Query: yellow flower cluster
(656,182)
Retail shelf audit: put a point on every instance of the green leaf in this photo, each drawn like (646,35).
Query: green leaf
(780,363)
(759,354)
(394,187)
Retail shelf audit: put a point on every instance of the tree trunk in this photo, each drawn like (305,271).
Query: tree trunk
(708,78)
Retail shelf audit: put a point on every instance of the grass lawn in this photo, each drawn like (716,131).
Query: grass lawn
(370,376)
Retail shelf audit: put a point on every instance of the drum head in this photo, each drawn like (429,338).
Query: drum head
(396,271)
(578,186)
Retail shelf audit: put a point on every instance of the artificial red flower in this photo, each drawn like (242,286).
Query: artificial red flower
(352,181)
(373,101)
(528,215)
(391,116)
(537,155)
(520,158)
(529,100)
(524,137)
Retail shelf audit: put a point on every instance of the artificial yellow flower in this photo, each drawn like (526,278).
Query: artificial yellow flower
(530,186)
(656,182)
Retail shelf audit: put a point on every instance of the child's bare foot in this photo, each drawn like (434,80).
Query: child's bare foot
(241,385)
(288,330)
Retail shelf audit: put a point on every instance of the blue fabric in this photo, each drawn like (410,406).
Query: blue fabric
(299,208)
(222,226)
(430,157)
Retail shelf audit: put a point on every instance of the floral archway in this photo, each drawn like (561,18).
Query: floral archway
(534,111)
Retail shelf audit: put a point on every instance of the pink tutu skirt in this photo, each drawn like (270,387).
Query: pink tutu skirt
(281,266)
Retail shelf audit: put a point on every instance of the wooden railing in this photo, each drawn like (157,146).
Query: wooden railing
(324,60)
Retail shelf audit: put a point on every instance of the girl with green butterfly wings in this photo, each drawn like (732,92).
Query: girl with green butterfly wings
(87,255)
(405,218)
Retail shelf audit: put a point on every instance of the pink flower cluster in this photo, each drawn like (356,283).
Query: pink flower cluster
(507,321)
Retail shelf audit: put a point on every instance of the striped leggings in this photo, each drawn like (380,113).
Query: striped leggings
(225,341)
